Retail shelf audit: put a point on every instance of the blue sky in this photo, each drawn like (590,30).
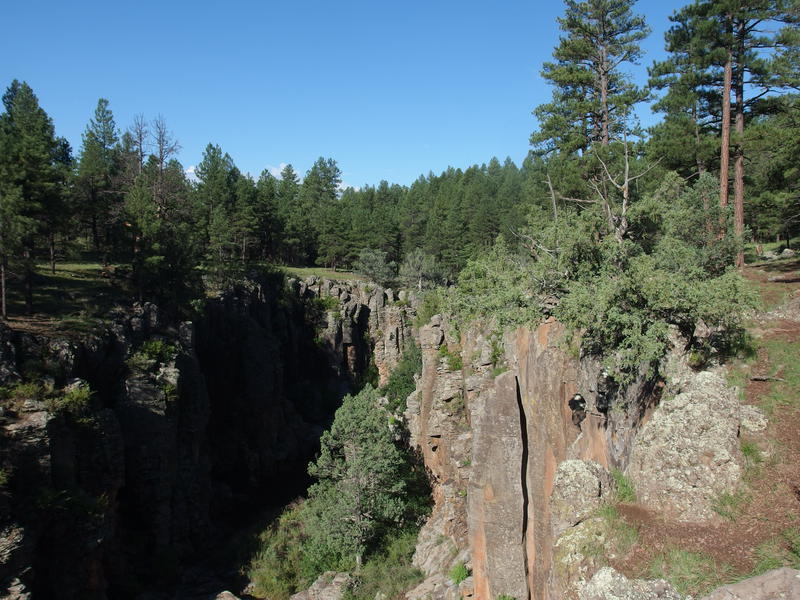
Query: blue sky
(390,90)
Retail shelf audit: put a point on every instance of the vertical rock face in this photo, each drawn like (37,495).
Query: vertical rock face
(369,327)
(547,407)
(179,441)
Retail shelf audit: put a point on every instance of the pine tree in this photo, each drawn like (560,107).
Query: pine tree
(31,162)
(361,483)
(593,98)
(97,166)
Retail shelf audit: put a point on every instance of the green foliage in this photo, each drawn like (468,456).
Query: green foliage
(432,304)
(326,303)
(496,285)
(361,488)
(401,380)
(374,265)
(689,572)
(74,400)
(279,568)
(454,360)
(368,501)
(593,98)
(151,354)
(458,573)
(5,475)
(420,270)
(625,489)
(388,572)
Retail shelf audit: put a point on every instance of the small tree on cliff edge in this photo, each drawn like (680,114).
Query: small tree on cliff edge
(361,484)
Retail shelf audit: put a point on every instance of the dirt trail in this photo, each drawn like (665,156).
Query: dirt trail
(770,497)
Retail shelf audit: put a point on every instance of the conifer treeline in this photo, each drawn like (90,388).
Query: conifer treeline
(728,107)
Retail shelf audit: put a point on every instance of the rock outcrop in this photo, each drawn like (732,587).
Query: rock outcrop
(521,472)
(328,586)
(608,584)
(779,584)
(190,427)
(687,454)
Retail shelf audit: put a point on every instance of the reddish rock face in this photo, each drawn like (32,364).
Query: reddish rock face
(548,406)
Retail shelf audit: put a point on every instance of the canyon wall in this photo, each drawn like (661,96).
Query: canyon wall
(191,427)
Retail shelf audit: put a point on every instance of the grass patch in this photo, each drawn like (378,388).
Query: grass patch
(689,572)
(621,534)
(625,489)
(458,573)
(751,452)
(730,506)
(73,298)
(782,551)
(783,358)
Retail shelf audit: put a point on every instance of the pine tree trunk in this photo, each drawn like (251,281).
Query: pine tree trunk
(3,286)
(28,283)
(52,240)
(738,181)
(725,142)
(604,133)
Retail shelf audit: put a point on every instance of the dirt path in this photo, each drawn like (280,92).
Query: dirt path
(768,505)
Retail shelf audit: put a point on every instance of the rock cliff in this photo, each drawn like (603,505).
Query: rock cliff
(519,435)
(190,427)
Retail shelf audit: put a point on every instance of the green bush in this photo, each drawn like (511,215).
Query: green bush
(74,401)
(401,380)
(458,573)
(151,354)
(432,304)
(454,360)
(389,572)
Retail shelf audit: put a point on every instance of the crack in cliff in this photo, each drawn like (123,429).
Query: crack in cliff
(523,427)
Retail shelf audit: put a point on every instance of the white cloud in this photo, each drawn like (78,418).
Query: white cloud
(190,173)
(276,171)
(344,185)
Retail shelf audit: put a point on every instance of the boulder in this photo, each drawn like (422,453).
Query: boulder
(779,584)
(579,488)
(328,586)
(688,453)
(608,584)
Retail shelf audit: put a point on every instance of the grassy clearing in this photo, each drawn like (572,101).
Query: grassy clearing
(303,272)
(73,298)
(785,366)
(750,255)
(690,572)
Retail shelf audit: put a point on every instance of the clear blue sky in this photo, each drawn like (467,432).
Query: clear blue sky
(390,90)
